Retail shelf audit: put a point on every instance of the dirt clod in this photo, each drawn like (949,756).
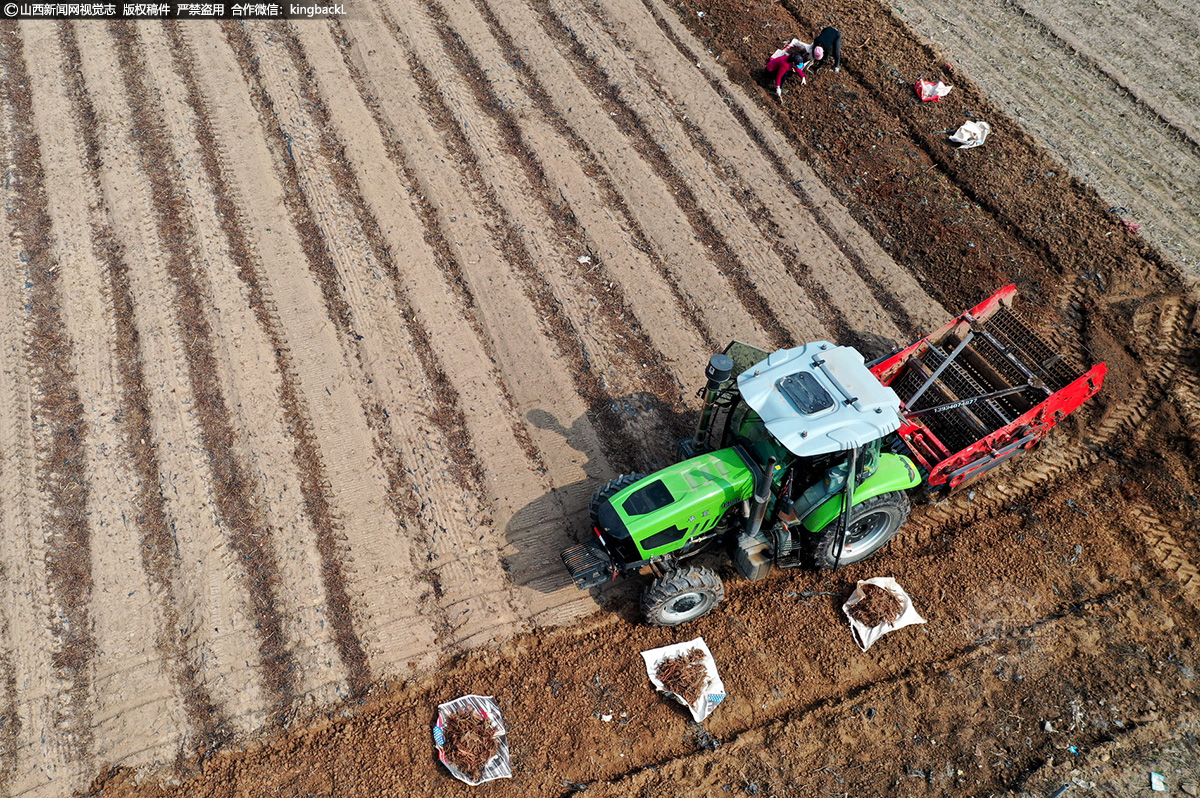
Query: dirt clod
(878,605)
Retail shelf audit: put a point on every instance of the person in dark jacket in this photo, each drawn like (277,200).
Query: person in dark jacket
(827,48)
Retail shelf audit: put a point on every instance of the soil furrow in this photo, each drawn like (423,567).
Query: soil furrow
(297,418)
(653,201)
(243,355)
(26,640)
(608,93)
(384,600)
(443,254)
(624,252)
(392,348)
(649,85)
(597,321)
(159,551)
(238,513)
(1118,42)
(211,596)
(521,252)
(1118,146)
(545,389)
(629,346)
(61,730)
(131,689)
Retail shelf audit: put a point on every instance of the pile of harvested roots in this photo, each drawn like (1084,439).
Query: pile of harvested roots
(878,605)
(471,742)
(684,675)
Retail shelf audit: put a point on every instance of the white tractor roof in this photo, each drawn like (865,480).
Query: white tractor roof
(820,398)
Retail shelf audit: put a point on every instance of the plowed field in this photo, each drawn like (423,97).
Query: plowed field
(316,338)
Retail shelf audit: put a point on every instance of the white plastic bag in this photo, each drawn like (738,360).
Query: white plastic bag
(500,765)
(711,693)
(865,635)
(971,134)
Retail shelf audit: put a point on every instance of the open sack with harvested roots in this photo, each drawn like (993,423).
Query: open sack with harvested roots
(878,606)
(471,739)
(687,672)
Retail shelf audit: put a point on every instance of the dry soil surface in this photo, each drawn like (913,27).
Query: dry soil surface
(318,336)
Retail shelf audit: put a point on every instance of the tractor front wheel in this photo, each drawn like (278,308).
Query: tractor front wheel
(873,523)
(681,596)
(610,488)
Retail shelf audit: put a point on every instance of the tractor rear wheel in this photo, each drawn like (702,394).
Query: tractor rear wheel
(680,596)
(873,523)
(610,488)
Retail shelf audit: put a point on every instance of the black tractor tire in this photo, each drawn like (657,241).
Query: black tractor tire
(873,523)
(682,595)
(610,488)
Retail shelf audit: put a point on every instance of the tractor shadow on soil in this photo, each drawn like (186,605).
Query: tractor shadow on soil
(542,529)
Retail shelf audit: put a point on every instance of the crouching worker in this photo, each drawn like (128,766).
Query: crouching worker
(827,50)
(790,58)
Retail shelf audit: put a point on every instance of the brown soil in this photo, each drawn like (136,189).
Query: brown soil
(471,742)
(318,337)
(877,606)
(684,675)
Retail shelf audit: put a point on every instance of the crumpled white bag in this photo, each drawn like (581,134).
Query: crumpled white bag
(971,134)
(711,694)
(865,636)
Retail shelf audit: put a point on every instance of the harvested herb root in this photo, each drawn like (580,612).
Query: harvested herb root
(471,742)
(878,605)
(684,675)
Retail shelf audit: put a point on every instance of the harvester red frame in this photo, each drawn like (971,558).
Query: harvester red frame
(954,470)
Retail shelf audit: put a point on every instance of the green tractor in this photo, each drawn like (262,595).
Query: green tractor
(779,448)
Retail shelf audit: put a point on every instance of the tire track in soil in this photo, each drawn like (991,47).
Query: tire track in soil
(732,261)
(635,169)
(376,555)
(53,623)
(1165,549)
(137,707)
(893,288)
(625,252)
(211,594)
(482,381)
(595,315)
(734,183)
(249,376)
(298,417)
(470,591)
(247,533)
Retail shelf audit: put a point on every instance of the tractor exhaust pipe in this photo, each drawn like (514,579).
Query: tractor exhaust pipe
(718,371)
(762,492)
